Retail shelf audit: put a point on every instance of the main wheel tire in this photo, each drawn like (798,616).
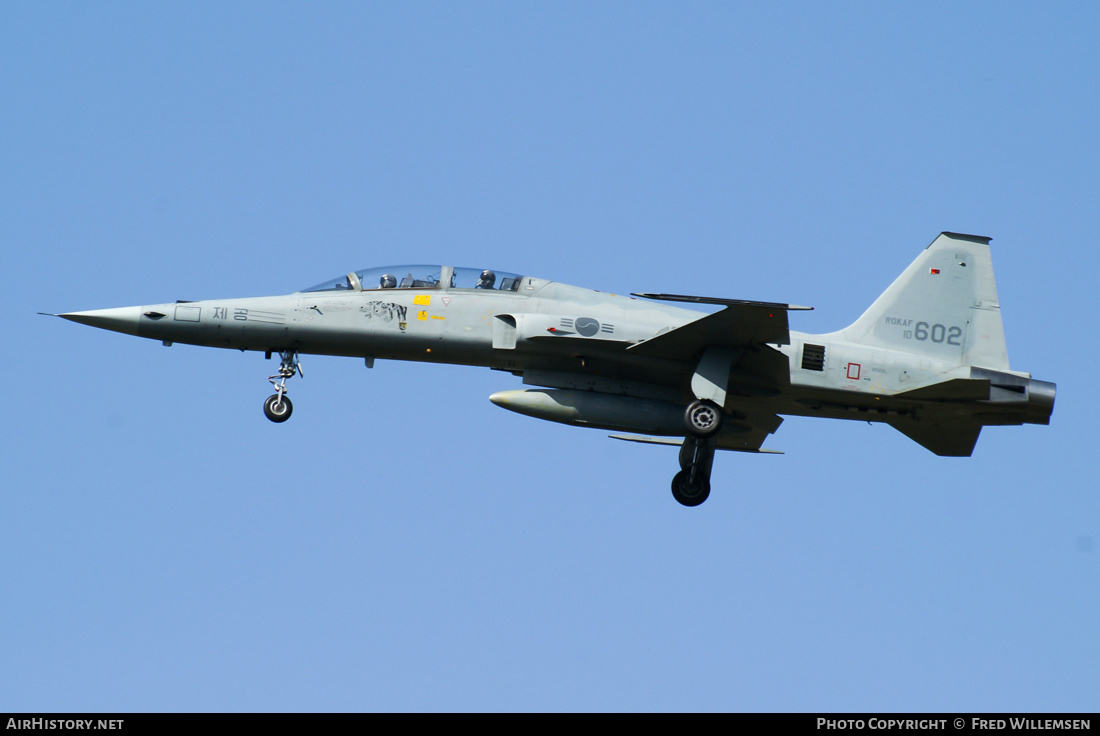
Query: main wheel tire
(276,410)
(703,418)
(688,493)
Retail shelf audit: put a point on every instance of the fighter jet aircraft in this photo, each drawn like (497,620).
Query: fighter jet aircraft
(928,357)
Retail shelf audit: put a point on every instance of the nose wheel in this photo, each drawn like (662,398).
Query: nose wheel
(278,407)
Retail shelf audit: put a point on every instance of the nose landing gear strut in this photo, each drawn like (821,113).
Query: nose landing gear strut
(278,408)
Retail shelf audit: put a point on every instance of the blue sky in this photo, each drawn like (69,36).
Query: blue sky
(401,543)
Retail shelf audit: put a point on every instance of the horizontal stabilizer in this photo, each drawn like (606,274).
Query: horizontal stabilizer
(956,439)
(678,441)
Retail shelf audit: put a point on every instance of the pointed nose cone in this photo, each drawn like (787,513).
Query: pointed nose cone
(120,319)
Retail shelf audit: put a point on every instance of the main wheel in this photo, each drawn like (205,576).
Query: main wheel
(703,418)
(688,493)
(278,410)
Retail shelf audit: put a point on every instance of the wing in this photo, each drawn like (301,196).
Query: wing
(739,337)
(741,433)
(741,324)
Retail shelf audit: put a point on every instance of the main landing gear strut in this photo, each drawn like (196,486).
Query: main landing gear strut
(278,408)
(703,421)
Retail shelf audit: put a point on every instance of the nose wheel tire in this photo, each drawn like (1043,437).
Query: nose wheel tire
(687,492)
(703,418)
(278,408)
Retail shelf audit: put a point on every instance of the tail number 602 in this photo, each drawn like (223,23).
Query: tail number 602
(937,333)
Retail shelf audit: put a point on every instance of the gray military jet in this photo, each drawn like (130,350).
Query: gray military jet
(928,357)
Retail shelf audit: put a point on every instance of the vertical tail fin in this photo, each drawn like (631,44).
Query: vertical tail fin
(944,306)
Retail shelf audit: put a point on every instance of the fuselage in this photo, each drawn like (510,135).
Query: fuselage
(558,336)
(928,357)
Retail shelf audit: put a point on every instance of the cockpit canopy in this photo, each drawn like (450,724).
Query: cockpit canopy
(421,277)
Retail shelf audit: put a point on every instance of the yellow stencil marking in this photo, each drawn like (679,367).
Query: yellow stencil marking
(438,316)
(422,315)
(424,299)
